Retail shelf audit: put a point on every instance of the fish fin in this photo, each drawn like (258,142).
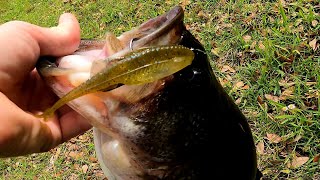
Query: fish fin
(112,45)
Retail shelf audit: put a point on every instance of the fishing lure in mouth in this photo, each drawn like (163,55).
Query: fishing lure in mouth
(140,66)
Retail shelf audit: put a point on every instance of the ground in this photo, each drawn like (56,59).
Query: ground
(265,54)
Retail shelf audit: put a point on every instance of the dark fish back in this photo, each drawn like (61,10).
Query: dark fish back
(194,128)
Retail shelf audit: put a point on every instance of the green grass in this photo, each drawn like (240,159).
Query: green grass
(265,42)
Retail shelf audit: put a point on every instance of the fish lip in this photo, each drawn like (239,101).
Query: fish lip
(149,33)
(172,20)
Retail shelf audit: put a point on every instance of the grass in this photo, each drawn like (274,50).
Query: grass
(260,52)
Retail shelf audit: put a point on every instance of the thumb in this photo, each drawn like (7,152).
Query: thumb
(62,39)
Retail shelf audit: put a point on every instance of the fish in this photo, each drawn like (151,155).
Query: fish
(179,126)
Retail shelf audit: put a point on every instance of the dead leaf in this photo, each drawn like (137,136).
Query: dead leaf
(93,159)
(283,58)
(75,155)
(298,161)
(238,85)
(310,83)
(253,44)
(273,138)
(312,94)
(271,97)
(223,82)
(260,147)
(297,138)
(271,19)
(299,29)
(250,18)
(286,84)
(298,22)
(226,68)
(246,38)
(227,25)
(74,147)
(313,44)
(238,101)
(283,3)
(202,14)
(84,168)
(215,51)
(245,87)
(261,45)
(316,158)
(314,23)
(267,171)
(259,99)
(228,77)
(240,55)
(287,93)
(185,3)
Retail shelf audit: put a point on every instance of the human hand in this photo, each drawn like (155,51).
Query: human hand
(23,93)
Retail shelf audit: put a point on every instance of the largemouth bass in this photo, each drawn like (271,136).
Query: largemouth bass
(179,126)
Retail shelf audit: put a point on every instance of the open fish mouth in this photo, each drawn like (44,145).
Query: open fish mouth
(65,73)
(183,126)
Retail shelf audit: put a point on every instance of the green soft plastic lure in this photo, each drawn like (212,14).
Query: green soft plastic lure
(137,67)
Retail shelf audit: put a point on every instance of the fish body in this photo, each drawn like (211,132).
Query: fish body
(182,126)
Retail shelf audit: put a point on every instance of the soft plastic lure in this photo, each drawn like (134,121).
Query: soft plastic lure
(137,67)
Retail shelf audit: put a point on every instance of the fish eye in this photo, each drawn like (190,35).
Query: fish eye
(131,43)
(191,74)
(195,74)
